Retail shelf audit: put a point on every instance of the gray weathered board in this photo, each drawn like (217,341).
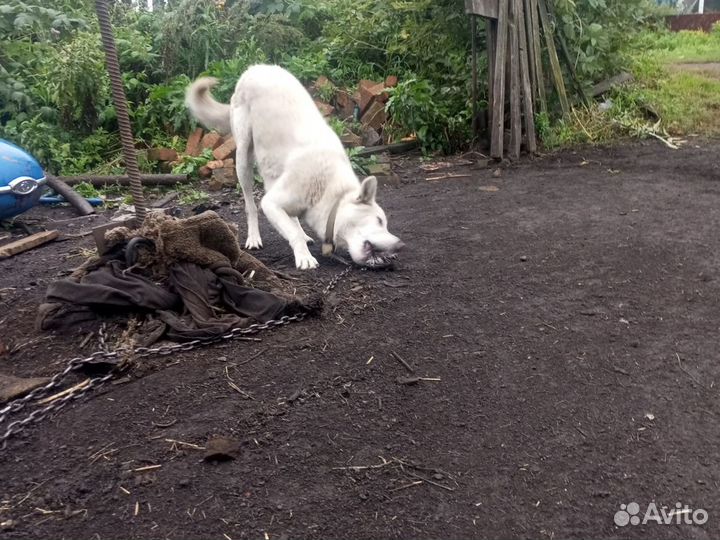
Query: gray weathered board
(483,8)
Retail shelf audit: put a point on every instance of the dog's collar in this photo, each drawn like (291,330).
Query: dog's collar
(328,247)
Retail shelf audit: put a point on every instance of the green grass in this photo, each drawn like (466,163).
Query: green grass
(667,98)
(681,47)
(687,101)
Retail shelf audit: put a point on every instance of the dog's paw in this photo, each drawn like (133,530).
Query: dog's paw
(306,262)
(253,243)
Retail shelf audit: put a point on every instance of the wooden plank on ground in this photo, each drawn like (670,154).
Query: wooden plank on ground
(27,243)
(528,108)
(498,105)
(514,66)
(534,39)
(554,61)
(483,8)
(607,84)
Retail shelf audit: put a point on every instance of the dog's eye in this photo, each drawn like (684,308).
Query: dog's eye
(380,222)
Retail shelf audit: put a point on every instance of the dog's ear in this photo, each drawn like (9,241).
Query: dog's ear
(368,190)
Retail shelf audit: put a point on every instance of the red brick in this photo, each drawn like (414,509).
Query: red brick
(211,140)
(162,154)
(224,177)
(375,116)
(350,139)
(368,91)
(321,81)
(391,81)
(193,143)
(228,163)
(325,108)
(205,171)
(345,104)
(215,164)
(225,150)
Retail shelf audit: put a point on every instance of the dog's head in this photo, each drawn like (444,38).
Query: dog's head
(361,227)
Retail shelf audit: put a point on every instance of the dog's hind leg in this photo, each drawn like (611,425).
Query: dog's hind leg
(274,205)
(244,166)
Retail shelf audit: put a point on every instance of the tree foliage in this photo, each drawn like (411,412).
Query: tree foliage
(54,97)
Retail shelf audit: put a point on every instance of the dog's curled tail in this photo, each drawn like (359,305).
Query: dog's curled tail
(203,106)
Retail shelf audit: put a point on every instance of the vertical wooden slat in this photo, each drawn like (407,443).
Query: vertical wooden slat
(537,54)
(554,62)
(490,38)
(528,37)
(498,105)
(528,109)
(514,67)
(565,54)
(473,41)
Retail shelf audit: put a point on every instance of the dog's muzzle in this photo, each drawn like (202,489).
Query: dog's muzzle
(377,259)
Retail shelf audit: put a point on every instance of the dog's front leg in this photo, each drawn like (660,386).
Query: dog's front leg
(291,230)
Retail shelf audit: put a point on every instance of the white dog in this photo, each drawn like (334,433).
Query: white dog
(303,164)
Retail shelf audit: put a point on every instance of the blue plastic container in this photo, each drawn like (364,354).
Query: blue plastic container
(21,180)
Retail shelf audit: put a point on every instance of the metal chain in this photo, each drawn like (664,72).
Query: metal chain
(139,352)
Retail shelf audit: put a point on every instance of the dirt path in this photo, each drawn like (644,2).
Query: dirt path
(571,317)
(708,69)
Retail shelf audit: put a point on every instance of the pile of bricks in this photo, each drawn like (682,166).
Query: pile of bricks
(220,170)
(366,105)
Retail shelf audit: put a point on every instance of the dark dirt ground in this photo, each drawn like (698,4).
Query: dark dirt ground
(571,316)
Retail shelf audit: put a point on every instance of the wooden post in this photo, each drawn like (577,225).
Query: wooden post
(491,39)
(515,114)
(528,108)
(554,62)
(568,60)
(534,38)
(473,41)
(498,105)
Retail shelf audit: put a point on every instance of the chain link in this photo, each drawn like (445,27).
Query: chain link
(15,406)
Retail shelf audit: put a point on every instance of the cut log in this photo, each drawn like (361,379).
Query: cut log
(82,207)
(147,179)
(27,243)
